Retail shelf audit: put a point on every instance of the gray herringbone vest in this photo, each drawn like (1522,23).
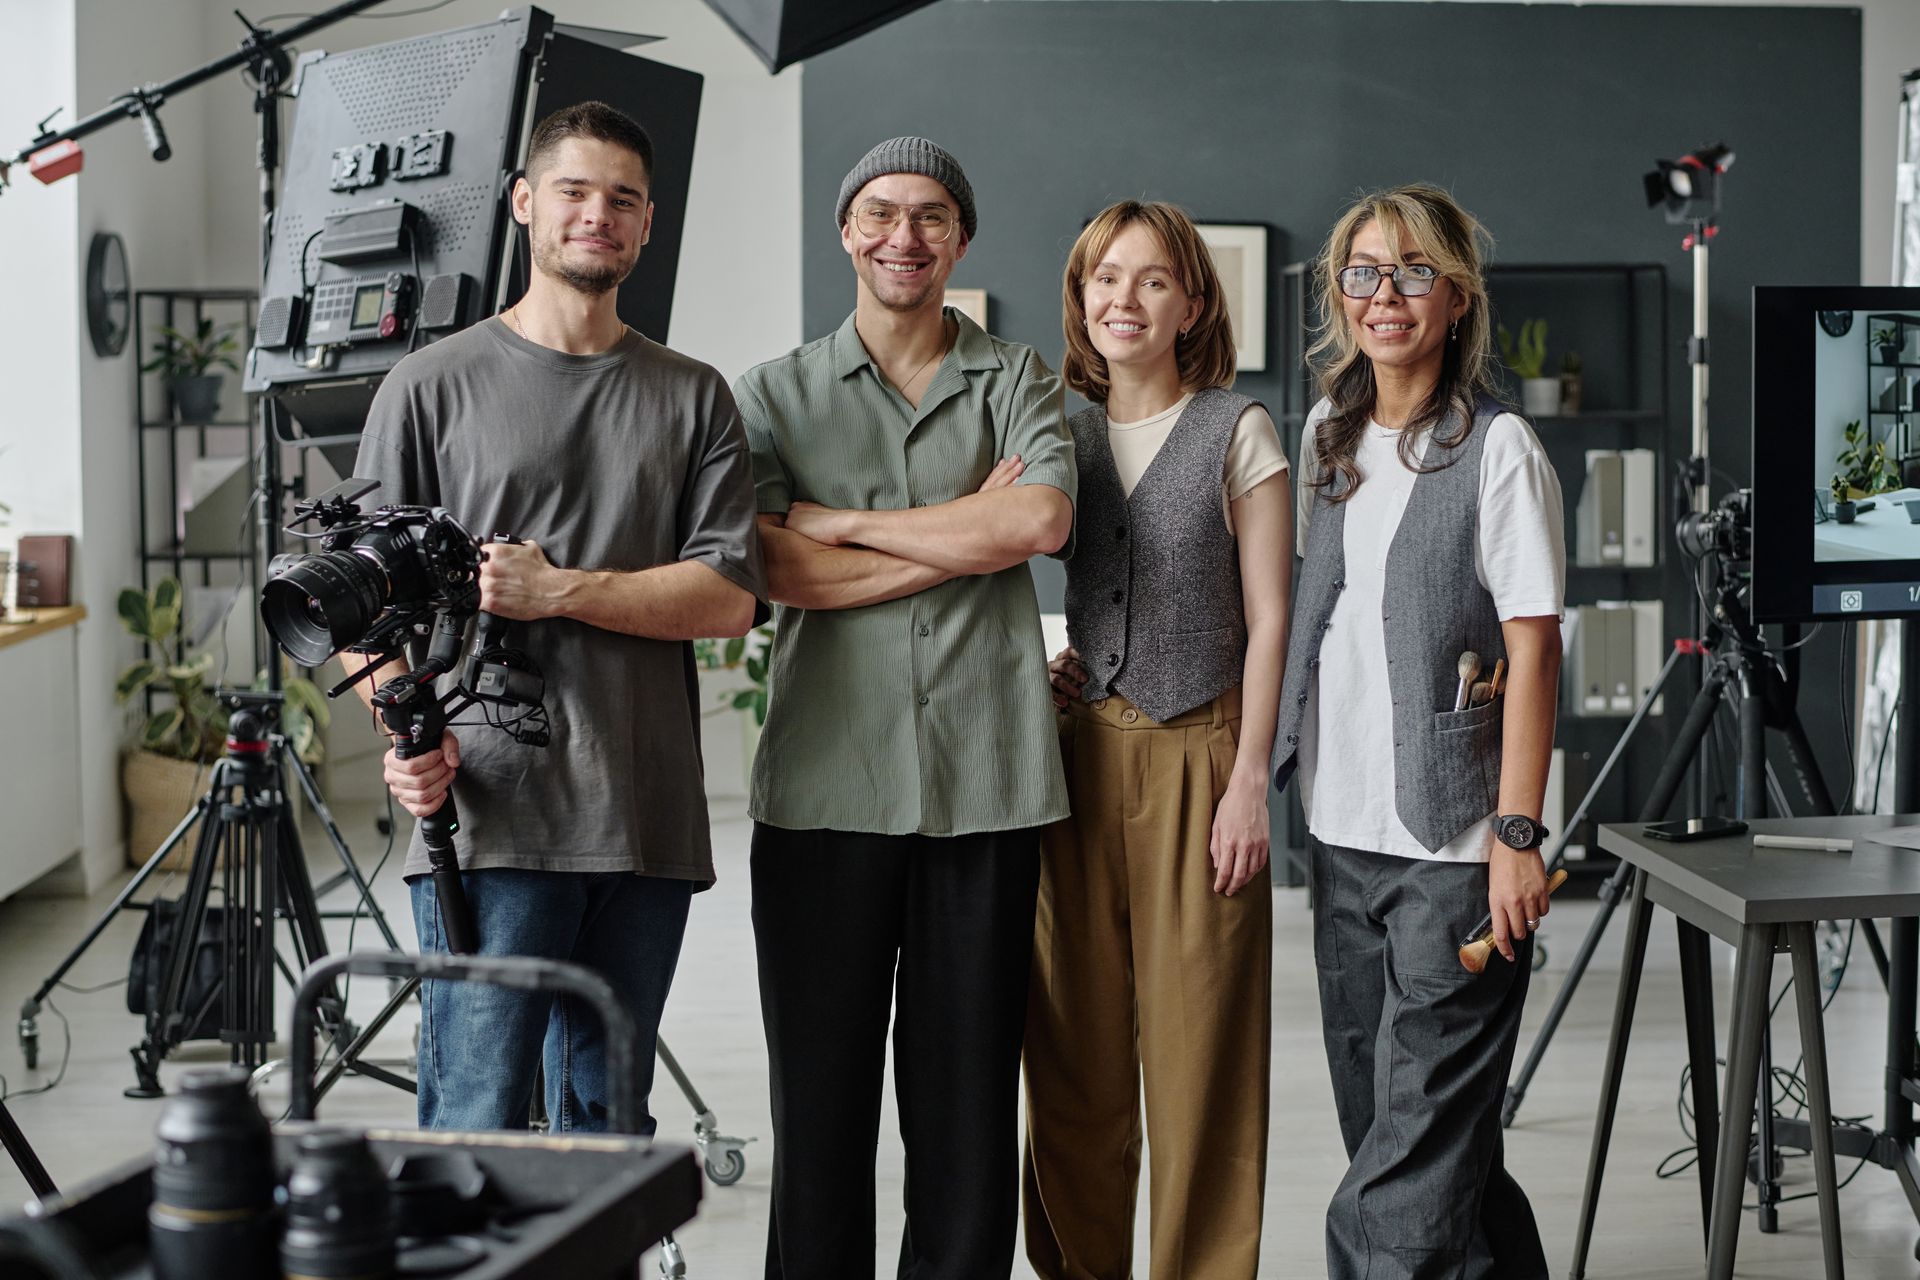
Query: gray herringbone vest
(1153,589)
(1446,762)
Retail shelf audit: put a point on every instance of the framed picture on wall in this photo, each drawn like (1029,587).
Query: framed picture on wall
(971,303)
(1240,256)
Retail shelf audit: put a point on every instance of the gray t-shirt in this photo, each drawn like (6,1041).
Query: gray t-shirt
(623,460)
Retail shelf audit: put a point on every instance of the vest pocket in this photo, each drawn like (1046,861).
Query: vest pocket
(1471,718)
(1464,767)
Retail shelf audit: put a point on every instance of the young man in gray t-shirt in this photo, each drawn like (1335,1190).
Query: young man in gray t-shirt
(626,468)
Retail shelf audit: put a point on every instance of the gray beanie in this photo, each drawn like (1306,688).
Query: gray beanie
(909,155)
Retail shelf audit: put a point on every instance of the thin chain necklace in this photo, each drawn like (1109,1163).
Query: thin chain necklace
(939,351)
(514,321)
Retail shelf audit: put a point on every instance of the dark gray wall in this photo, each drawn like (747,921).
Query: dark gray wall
(1539,118)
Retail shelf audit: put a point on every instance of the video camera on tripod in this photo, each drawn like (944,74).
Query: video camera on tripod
(380,582)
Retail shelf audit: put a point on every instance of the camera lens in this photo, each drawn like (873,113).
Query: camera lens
(339,1216)
(321,603)
(213,1178)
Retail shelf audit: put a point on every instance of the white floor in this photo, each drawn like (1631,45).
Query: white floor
(1648,1228)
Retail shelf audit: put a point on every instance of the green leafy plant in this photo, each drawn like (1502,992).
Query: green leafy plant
(1886,337)
(193,725)
(1570,362)
(747,654)
(178,355)
(1527,356)
(1839,488)
(1864,463)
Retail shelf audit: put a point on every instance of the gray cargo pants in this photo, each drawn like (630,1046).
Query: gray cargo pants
(1420,1050)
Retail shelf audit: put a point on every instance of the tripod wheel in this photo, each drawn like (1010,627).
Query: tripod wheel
(729,1170)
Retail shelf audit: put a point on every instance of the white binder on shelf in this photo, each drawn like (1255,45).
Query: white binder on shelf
(1639,508)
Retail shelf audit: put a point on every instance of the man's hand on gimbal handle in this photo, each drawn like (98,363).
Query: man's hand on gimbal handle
(420,783)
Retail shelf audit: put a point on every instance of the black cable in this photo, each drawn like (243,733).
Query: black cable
(1880,757)
(66,1053)
(1846,719)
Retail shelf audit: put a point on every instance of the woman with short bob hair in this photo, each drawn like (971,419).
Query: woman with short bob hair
(1418,709)
(1152,946)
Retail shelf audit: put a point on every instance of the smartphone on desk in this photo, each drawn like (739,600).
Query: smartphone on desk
(1694,829)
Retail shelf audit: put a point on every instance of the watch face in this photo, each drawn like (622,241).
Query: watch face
(1517,832)
(1836,323)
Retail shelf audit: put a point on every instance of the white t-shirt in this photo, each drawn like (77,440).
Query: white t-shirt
(1254,454)
(1346,761)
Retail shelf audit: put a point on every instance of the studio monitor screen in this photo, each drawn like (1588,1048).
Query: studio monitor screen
(1836,453)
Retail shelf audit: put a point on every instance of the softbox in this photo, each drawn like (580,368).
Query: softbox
(783,32)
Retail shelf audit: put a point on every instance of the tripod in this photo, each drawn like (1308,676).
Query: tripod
(1740,669)
(23,1156)
(250,841)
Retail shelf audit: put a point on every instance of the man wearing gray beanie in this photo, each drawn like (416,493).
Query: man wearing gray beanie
(906,466)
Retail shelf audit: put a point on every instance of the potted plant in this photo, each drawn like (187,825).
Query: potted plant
(1887,339)
(164,774)
(722,663)
(187,364)
(1864,464)
(1843,508)
(1570,383)
(1527,357)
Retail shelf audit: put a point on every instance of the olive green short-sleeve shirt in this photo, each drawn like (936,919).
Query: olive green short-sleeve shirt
(929,714)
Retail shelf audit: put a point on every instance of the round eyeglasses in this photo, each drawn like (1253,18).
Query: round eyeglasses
(933,223)
(1410,279)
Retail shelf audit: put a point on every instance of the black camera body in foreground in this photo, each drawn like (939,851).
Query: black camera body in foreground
(375,577)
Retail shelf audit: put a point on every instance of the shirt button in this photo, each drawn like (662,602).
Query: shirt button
(925,630)
(1118,596)
(923,699)
(1129,716)
(1113,659)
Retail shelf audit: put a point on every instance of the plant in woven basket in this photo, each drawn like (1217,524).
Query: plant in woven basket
(192,725)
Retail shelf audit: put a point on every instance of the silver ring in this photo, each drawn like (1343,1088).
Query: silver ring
(1533,924)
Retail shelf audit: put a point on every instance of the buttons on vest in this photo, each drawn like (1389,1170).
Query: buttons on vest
(1113,659)
(924,699)
(1341,585)
(1118,596)
(1293,739)
(1302,699)
(925,630)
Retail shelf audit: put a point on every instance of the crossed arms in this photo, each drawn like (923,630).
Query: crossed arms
(825,558)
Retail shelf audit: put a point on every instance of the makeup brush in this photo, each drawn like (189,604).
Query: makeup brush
(1473,956)
(1499,674)
(1469,669)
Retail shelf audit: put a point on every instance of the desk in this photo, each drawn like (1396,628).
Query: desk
(1884,533)
(1757,900)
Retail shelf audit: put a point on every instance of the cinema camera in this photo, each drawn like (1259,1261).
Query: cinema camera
(380,582)
(1725,532)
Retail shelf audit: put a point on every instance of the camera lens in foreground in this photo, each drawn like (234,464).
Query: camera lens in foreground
(213,1176)
(322,603)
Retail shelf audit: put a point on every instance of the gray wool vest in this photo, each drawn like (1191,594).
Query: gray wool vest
(1153,589)
(1446,762)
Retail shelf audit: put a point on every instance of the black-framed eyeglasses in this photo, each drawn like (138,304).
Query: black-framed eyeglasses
(933,223)
(1410,279)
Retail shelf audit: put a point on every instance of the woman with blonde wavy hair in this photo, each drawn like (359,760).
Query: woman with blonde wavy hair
(1418,708)
(1152,947)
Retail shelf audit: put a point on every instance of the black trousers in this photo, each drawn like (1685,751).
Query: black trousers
(940,929)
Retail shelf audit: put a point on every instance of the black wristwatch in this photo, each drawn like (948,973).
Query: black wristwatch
(1519,832)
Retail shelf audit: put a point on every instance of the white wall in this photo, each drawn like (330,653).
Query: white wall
(737,295)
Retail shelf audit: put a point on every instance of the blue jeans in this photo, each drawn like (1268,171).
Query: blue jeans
(480,1045)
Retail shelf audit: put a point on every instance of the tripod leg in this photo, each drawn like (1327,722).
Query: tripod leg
(1673,771)
(1610,894)
(1639,923)
(1696,985)
(166,1025)
(1813,1045)
(311,790)
(24,1158)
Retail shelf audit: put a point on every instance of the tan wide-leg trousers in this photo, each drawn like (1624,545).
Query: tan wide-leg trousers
(1141,970)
